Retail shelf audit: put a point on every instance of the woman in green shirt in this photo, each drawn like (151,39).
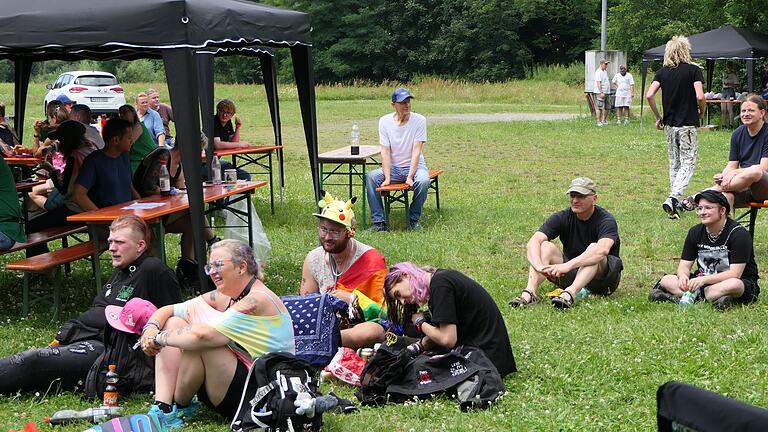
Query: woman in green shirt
(143,143)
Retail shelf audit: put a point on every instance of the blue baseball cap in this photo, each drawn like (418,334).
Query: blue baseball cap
(401,94)
(64,99)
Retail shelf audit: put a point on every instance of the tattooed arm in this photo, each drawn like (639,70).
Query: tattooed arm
(193,337)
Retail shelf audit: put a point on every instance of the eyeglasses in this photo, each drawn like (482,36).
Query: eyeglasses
(215,266)
(334,234)
(228,112)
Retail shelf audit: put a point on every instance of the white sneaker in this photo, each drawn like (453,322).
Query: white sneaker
(618,121)
(599,124)
(626,121)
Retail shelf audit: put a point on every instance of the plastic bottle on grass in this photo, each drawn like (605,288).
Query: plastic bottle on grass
(687,299)
(93,415)
(215,170)
(582,294)
(111,395)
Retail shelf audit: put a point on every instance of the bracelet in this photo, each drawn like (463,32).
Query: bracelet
(151,323)
(419,321)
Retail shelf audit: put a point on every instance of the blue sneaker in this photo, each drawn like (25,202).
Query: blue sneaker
(189,412)
(169,421)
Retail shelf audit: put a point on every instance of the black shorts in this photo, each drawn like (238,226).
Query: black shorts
(604,284)
(228,406)
(750,294)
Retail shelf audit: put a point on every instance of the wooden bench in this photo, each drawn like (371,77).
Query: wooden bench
(46,262)
(398,193)
(752,208)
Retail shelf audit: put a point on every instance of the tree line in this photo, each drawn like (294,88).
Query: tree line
(475,40)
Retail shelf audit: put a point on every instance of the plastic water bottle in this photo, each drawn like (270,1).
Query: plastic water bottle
(355,147)
(582,294)
(216,170)
(93,415)
(165,180)
(111,395)
(687,299)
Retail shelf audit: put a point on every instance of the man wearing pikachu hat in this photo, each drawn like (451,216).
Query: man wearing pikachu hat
(347,269)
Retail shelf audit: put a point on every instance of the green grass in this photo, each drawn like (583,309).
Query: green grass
(595,367)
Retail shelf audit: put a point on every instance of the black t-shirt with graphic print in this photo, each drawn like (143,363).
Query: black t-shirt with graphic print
(733,246)
(148,278)
(455,298)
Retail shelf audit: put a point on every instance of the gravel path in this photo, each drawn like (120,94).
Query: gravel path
(498,117)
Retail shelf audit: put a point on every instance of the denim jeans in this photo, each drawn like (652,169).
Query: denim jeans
(397,175)
(6,242)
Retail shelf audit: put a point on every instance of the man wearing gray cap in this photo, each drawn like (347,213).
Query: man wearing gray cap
(590,256)
(402,135)
(722,248)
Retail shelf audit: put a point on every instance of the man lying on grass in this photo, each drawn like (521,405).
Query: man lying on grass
(722,248)
(590,257)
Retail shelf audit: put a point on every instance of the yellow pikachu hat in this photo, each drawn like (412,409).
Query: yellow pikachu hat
(337,211)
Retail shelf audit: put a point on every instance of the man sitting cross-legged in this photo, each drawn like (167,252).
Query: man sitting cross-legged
(345,267)
(590,256)
(727,272)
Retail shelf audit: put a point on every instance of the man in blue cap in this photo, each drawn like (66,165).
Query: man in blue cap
(66,101)
(402,135)
(722,248)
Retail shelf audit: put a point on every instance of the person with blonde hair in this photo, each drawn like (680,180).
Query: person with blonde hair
(151,119)
(682,98)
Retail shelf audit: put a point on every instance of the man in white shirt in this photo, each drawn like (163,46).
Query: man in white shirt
(625,91)
(602,88)
(402,135)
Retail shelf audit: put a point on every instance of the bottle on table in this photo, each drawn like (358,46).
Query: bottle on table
(355,147)
(93,415)
(215,170)
(165,180)
(111,395)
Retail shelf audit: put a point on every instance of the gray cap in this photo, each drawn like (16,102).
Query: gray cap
(582,185)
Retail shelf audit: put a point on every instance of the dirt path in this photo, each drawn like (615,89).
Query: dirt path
(498,117)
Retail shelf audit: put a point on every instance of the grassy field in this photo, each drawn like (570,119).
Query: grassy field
(595,367)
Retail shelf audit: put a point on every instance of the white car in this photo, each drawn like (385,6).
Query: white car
(99,90)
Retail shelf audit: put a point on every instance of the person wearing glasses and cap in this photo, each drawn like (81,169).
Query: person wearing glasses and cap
(346,268)
(402,135)
(590,256)
(723,251)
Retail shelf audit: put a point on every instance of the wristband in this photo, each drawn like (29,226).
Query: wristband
(419,321)
(150,323)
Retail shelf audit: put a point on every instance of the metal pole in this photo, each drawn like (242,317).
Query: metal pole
(603,20)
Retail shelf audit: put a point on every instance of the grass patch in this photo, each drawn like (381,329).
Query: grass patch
(592,368)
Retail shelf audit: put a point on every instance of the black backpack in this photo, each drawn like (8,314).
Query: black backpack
(136,369)
(273,384)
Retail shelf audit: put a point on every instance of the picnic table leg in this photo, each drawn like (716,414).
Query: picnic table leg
(271,186)
(320,167)
(249,196)
(56,293)
(437,192)
(25,296)
(752,220)
(365,200)
(95,264)
(160,236)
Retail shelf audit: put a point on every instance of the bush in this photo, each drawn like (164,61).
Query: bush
(142,70)
(572,74)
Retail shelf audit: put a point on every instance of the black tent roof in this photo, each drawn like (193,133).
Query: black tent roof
(726,42)
(78,29)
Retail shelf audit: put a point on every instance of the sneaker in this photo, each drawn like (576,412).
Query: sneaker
(189,412)
(670,207)
(723,302)
(379,226)
(169,421)
(618,121)
(599,124)
(415,226)
(626,121)
(659,295)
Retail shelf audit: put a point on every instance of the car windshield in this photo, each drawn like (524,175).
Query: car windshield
(96,80)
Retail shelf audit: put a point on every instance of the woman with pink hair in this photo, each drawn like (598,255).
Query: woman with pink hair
(461,312)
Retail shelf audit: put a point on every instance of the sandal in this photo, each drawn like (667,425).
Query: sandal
(562,302)
(520,301)
(687,204)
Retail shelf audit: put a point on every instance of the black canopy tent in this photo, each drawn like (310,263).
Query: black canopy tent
(726,42)
(176,31)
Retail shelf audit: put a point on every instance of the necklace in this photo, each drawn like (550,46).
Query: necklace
(243,293)
(336,267)
(713,238)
